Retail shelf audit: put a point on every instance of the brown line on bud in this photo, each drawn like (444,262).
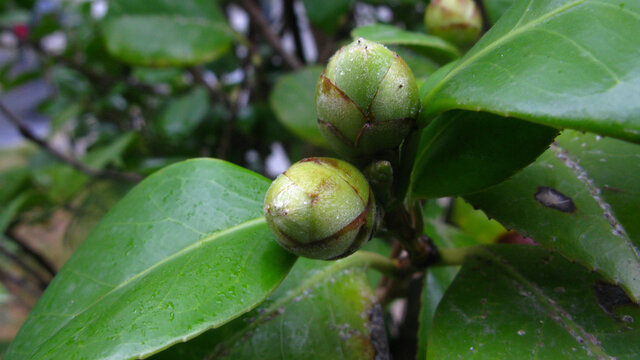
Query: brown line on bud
(363,229)
(370,116)
(357,222)
(328,85)
(328,161)
(363,129)
(335,132)
(334,163)
(293,183)
(287,237)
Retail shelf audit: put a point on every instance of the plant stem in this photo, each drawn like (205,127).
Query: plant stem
(292,20)
(269,34)
(376,261)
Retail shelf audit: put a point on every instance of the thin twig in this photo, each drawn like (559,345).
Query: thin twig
(227,132)
(68,159)
(292,20)
(215,93)
(9,279)
(31,252)
(42,282)
(256,15)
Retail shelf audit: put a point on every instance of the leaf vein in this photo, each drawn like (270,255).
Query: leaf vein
(594,191)
(556,312)
(199,243)
(509,36)
(577,45)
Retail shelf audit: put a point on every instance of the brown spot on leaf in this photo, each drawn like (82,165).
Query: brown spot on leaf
(612,189)
(611,296)
(554,199)
(512,237)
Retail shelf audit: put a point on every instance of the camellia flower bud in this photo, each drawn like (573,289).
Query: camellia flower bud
(321,208)
(457,21)
(366,100)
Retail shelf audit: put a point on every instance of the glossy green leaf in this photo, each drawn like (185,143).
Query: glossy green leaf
(496,8)
(614,168)
(327,15)
(391,35)
(183,114)
(185,251)
(293,101)
(158,33)
(524,302)
(475,221)
(437,279)
(578,200)
(462,152)
(567,64)
(322,310)
(436,282)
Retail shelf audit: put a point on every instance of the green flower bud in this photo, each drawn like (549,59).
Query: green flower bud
(457,21)
(366,100)
(320,208)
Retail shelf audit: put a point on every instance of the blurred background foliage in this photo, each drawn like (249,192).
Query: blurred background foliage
(95,95)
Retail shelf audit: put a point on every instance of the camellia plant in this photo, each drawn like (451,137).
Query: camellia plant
(420,143)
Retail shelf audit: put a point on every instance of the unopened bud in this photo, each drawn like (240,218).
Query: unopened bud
(366,100)
(457,21)
(321,208)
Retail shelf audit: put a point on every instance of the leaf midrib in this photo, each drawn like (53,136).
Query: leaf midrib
(508,36)
(185,250)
